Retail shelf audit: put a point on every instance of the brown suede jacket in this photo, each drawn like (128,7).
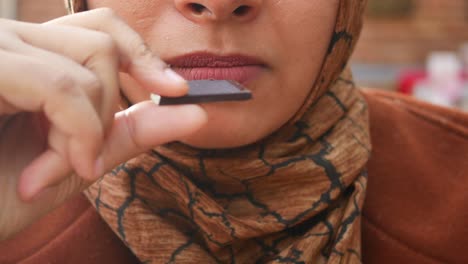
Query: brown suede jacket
(416,209)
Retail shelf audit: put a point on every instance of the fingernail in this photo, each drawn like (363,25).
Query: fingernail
(173,76)
(99,167)
(155,98)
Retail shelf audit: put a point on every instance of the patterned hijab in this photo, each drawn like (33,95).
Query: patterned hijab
(293,197)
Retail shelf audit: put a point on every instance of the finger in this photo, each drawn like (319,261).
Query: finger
(135,56)
(48,169)
(144,126)
(138,59)
(135,130)
(99,80)
(66,106)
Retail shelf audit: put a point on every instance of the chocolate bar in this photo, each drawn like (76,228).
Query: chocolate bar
(208,91)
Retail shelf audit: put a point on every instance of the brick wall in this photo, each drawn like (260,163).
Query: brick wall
(433,25)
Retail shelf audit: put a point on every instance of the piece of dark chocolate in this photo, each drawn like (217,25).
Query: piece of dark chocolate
(207,91)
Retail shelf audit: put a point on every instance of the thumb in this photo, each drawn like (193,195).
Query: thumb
(144,126)
(134,131)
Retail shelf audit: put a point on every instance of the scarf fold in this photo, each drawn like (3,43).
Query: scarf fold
(294,197)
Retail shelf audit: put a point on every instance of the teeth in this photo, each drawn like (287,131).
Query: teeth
(155,98)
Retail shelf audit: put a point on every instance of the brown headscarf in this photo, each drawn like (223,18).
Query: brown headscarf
(294,197)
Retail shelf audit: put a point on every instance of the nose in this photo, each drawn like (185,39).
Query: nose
(218,10)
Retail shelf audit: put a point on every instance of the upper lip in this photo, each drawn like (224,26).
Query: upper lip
(210,60)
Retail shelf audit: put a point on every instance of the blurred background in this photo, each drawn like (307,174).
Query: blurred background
(416,47)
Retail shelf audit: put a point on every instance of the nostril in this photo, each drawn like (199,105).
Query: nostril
(242,10)
(196,8)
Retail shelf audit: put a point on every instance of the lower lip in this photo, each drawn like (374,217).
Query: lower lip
(240,74)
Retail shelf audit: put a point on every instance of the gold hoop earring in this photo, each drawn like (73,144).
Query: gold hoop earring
(75,6)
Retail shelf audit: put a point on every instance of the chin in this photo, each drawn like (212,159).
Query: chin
(202,143)
(237,124)
(226,129)
(209,139)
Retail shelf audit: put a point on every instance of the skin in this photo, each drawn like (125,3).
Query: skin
(61,125)
(64,107)
(293,57)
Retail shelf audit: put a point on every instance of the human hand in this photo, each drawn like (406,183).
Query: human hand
(60,123)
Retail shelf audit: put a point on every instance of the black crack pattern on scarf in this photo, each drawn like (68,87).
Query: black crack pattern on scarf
(293,226)
(268,250)
(337,37)
(320,213)
(301,126)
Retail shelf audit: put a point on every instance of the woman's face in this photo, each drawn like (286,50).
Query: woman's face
(274,47)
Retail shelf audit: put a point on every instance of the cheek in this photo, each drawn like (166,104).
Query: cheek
(141,15)
(298,60)
(292,35)
(303,35)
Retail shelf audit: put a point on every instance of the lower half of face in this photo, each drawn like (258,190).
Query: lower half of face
(276,53)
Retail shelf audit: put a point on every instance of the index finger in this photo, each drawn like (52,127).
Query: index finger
(136,57)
